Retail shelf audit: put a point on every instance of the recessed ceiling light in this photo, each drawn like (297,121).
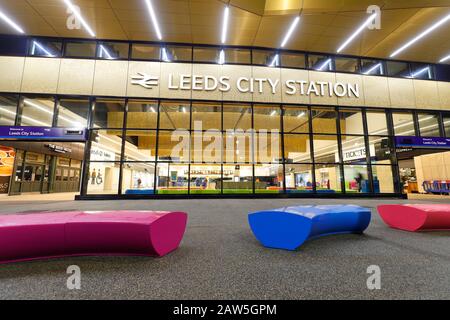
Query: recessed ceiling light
(358,31)
(79,17)
(11,23)
(445,58)
(421,35)
(226,14)
(154,20)
(290,31)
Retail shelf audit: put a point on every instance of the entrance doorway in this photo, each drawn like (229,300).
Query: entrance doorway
(419,165)
(44,167)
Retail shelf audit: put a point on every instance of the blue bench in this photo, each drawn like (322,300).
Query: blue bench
(289,227)
(140,191)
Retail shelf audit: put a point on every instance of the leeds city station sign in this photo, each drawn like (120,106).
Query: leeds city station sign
(249,85)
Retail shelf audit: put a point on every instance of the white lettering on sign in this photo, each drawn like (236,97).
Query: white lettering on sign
(250,85)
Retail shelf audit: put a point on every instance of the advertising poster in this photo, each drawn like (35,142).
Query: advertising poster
(7,156)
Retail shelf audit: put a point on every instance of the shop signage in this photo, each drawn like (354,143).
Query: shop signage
(422,142)
(101,155)
(355,154)
(41,133)
(58,149)
(249,85)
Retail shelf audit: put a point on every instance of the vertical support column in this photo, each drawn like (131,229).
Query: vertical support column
(341,157)
(311,148)
(395,167)
(368,155)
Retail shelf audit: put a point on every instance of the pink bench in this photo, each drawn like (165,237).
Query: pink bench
(49,235)
(416,217)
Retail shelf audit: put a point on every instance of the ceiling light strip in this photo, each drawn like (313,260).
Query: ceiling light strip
(421,35)
(357,32)
(11,23)
(445,59)
(226,16)
(154,19)
(290,31)
(79,17)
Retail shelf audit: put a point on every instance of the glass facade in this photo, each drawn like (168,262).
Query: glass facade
(150,51)
(181,147)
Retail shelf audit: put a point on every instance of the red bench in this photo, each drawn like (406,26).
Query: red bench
(49,235)
(416,217)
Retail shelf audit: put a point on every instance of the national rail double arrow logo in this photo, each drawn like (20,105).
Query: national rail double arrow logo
(144,80)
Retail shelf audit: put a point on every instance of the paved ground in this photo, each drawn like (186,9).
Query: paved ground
(220,259)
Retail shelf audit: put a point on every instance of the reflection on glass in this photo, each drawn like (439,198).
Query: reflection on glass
(325,148)
(446,120)
(295,119)
(108,113)
(353,149)
(142,114)
(381,150)
(356,179)
(239,56)
(237,116)
(266,117)
(320,62)
(80,49)
(106,145)
(172,178)
(8,107)
(103,178)
(382,179)
(293,60)
(351,121)
(264,57)
(205,179)
(269,178)
(37,112)
(73,113)
(403,124)
(145,51)
(297,148)
(112,50)
(206,54)
(45,48)
(372,67)
(346,64)
(398,69)
(376,122)
(328,178)
(206,116)
(237,179)
(176,53)
(421,71)
(138,176)
(140,145)
(298,178)
(429,124)
(174,115)
(324,120)
(173,146)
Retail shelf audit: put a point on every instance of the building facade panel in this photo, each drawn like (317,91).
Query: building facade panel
(45,70)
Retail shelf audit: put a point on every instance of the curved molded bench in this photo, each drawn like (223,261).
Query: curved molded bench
(289,227)
(416,217)
(49,235)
